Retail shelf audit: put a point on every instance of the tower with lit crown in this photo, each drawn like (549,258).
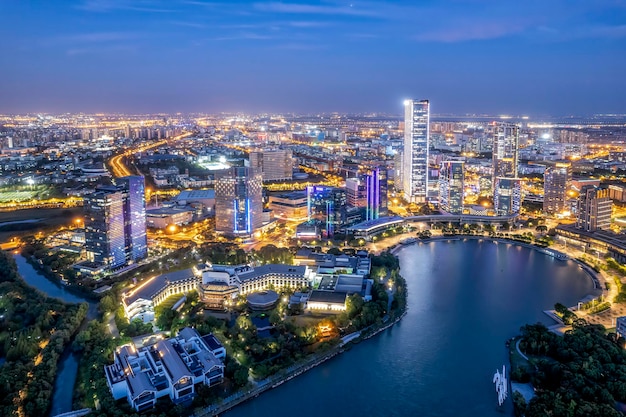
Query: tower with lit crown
(415,151)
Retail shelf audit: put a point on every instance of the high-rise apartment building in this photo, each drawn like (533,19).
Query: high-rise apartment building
(273,165)
(505,150)
(115,223)
(507,199)
(594,209)
(238,202)
(556,182)
(451,186)
(416,143)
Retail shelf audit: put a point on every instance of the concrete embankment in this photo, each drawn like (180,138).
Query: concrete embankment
(284,376)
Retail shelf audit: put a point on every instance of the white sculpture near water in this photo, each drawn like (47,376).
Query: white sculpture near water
(501,385)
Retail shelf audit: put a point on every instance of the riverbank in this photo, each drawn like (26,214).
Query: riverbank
(291,372)
(67,366)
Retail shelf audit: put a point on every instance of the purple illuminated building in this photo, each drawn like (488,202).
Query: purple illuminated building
(115,223)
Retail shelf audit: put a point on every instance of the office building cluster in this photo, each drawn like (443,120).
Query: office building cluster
(449,188)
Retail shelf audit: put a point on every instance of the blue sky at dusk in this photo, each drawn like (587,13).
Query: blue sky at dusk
(535,57)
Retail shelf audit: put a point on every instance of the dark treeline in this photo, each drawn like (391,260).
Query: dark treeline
(34,331)
(582,373)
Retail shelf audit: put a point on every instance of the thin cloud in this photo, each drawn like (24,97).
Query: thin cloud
(307,24)
(188,24)
(475,31)
(100,50)
(104,6)
(243,36)
(95,37)
(295,8)
(296,46)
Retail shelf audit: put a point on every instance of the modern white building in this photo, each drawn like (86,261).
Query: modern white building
(416,144)
(171,367)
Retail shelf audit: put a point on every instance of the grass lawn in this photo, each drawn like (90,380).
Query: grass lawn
(25,193)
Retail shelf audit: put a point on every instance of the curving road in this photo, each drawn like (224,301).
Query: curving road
(119,169)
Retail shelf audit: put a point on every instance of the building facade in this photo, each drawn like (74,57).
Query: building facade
(415,151)
(171,367)
(451,186)
(507,199)
(505,150)
(274,165)
(238,202)
(115,223)
(556,183)
(594,209)
(376,193)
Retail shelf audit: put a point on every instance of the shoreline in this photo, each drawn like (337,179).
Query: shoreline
(279,379)
(596,278)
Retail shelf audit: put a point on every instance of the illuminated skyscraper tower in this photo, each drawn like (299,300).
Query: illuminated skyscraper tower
(416,143)
(505,150)
(238,202)
(594,209)
(556,180)
(451,186)
(115,223)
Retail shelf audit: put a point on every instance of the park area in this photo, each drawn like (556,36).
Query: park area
(19,193)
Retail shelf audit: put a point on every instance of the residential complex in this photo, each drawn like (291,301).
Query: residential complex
(171,367)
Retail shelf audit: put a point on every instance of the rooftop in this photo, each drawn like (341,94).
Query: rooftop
(154,285)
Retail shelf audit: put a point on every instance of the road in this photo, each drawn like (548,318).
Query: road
(119,169)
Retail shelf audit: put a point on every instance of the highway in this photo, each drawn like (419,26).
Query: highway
(119,169)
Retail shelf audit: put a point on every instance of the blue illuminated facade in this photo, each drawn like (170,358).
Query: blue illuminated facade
(238,202)
(134,217)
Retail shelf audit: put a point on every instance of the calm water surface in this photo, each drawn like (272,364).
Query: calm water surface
(466,298)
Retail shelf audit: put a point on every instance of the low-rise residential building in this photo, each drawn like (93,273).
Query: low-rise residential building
(171,367)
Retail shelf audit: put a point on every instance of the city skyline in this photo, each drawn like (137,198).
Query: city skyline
(193,56)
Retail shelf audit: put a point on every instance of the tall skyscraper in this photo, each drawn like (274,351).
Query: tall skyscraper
(451,186)
(505,150)
(416,143)
(115,223)
(239,202)
(273,165)
(594,209)
(134,217)
(556,181)
(507,198)
(376,193)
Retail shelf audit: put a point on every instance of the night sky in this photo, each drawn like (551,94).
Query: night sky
(532,57)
